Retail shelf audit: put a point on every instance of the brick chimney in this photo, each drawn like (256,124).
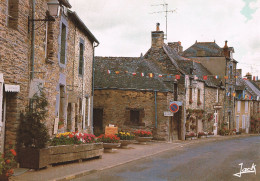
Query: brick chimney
(157,37)
(176,46)
(249,76)
(226,50)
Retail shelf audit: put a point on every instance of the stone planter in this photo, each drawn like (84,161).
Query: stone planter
(143,140)
(210,136)
(125,143)
(39,158)
(194,138)
(110,147)
(204,136)
(188,138)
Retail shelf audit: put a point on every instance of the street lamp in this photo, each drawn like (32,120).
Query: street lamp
(53,7)
(53,11)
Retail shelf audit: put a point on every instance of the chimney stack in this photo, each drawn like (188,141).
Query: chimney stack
(157,37)
(226,51)
(176,46)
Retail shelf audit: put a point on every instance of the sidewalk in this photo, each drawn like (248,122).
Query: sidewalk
(121,156)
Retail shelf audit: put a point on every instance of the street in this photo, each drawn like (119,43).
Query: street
(217,160)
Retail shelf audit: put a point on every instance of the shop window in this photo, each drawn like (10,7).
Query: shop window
(13,10)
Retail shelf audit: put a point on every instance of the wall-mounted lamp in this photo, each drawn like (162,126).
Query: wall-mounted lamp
(53,11)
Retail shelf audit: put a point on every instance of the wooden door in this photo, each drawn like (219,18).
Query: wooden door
(98,121)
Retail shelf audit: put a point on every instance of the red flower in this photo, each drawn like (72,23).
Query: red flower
(13,152)
(11,171)
(7,161)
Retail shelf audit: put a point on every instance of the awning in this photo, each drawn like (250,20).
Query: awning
(12,88)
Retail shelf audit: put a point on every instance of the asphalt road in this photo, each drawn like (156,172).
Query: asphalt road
(217,160)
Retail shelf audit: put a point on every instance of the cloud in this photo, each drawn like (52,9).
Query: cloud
(248,10)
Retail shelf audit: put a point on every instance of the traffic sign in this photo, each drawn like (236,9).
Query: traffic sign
(174,107)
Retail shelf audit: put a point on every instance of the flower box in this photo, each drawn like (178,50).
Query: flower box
(39,158)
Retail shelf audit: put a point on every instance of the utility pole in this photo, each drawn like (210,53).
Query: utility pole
(166,11)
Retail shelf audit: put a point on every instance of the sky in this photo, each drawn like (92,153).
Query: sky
(123,27)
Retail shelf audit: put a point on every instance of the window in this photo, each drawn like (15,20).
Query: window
(190,96)
(63,43)
(246,107)
(49,53)
(198,98)
(238,106)
(243,122)
(135,117)
(13,9)
(175,88)
(81,58)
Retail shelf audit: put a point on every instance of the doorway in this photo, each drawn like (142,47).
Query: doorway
(98,121)
(175,126)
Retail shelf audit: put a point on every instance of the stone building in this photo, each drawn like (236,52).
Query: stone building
(221,63)
(135,92)
(247,104)
(57,55)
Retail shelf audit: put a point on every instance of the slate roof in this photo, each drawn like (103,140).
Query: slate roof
(125,80)
(250,87)
(186,64)
(211,49)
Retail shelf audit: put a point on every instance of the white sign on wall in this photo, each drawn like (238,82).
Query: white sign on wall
(168,113)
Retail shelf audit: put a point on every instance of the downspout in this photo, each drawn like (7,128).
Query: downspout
(155,107)
(93,78)
(33,41)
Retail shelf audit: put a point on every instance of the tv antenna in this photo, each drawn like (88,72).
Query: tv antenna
(166,11)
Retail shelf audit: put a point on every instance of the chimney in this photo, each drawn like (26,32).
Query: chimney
(157,37)
(176,46)
(226,51)
(249,76)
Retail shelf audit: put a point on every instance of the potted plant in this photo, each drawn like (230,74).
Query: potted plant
(143,136)
(109,142)
(33,137)
(189,136)
(126,138)
(7,162)
(210,134)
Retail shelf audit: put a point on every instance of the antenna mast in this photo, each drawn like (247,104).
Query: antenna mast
(166,11)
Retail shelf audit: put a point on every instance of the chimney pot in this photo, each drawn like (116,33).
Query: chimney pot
(157,26)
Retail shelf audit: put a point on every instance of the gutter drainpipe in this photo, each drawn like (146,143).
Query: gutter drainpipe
(155,105)
(92,93)
(33,41)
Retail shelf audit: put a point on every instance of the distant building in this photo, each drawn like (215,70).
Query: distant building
(221,63)
(135,92)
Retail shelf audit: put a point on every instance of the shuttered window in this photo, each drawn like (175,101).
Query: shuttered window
(81,59)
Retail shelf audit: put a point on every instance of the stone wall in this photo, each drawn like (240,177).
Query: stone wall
(14,64)
(16,54)
(117,103)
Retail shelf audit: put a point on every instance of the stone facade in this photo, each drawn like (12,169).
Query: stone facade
(117,105)
(59,47)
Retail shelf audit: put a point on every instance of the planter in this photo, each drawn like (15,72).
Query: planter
(125,143)
(110,147)
(3,177)
(188,138)
(202,136)
(39,158)
(143,139)
(209,136)
(194,138)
